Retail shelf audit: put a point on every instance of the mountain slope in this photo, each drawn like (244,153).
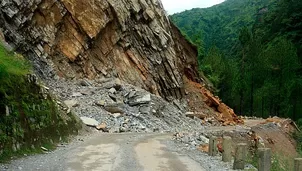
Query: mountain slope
(256,64)
(219,25)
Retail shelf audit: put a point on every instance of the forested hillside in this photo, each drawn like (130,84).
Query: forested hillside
(251,51)
(219,25)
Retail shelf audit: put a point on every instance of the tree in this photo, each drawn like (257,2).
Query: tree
(284,64)
(214,66)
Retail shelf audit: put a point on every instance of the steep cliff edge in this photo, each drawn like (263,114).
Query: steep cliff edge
(132,40)
(129,39)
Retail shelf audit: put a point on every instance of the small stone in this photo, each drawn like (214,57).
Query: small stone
(123,129)
(126,121)
(112,90)
(203,139)
(142,100)
(85,83)
(71,103)
(114,130)
(102,127)
(76,94)
(101,103)
(189,113)
(86,92)
(249,167)
(89,121)
(114,108)
(131,94)
(118,84)
(112,84)
(116,115)
(142,127)
(103,71)
(125,125)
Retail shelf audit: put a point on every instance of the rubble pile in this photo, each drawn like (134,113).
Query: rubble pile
(110,105)
(208,107)
(287,124)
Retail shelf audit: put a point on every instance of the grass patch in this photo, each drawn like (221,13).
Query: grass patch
(279,162)
(298,137)
(12,63)
(8,155)
(12,66)
(282,163)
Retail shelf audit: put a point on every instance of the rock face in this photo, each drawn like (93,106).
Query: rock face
(129,39)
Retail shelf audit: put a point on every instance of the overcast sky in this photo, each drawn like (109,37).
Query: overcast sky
(173,6)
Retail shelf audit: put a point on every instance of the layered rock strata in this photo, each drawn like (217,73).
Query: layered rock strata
(129,39)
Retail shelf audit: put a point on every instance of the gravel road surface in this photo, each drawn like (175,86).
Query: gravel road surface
(111,152)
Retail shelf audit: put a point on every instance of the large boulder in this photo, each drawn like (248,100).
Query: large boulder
(89,121)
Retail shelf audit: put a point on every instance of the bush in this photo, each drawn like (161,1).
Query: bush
(28,117)
(11,65)
(299,123)
(298,137)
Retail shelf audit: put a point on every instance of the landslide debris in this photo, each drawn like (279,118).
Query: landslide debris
(113,44)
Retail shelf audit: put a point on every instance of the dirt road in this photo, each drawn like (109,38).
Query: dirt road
(112,152)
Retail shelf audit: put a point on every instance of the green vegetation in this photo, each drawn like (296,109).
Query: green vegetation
(251,50)
(29,118)
(12,64)
(218,25)
(298,137)
(279,162)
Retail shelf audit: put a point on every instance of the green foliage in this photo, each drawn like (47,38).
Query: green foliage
(256,66)
(218,25)
(298,137)
(299,123)
(279,162)
(213,65)
(12,64)
(28,117)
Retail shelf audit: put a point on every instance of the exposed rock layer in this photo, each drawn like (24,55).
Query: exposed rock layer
(129,39)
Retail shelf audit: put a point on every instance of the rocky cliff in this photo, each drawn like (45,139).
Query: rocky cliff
(129,39)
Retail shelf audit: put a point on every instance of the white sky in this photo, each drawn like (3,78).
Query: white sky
(173,6)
